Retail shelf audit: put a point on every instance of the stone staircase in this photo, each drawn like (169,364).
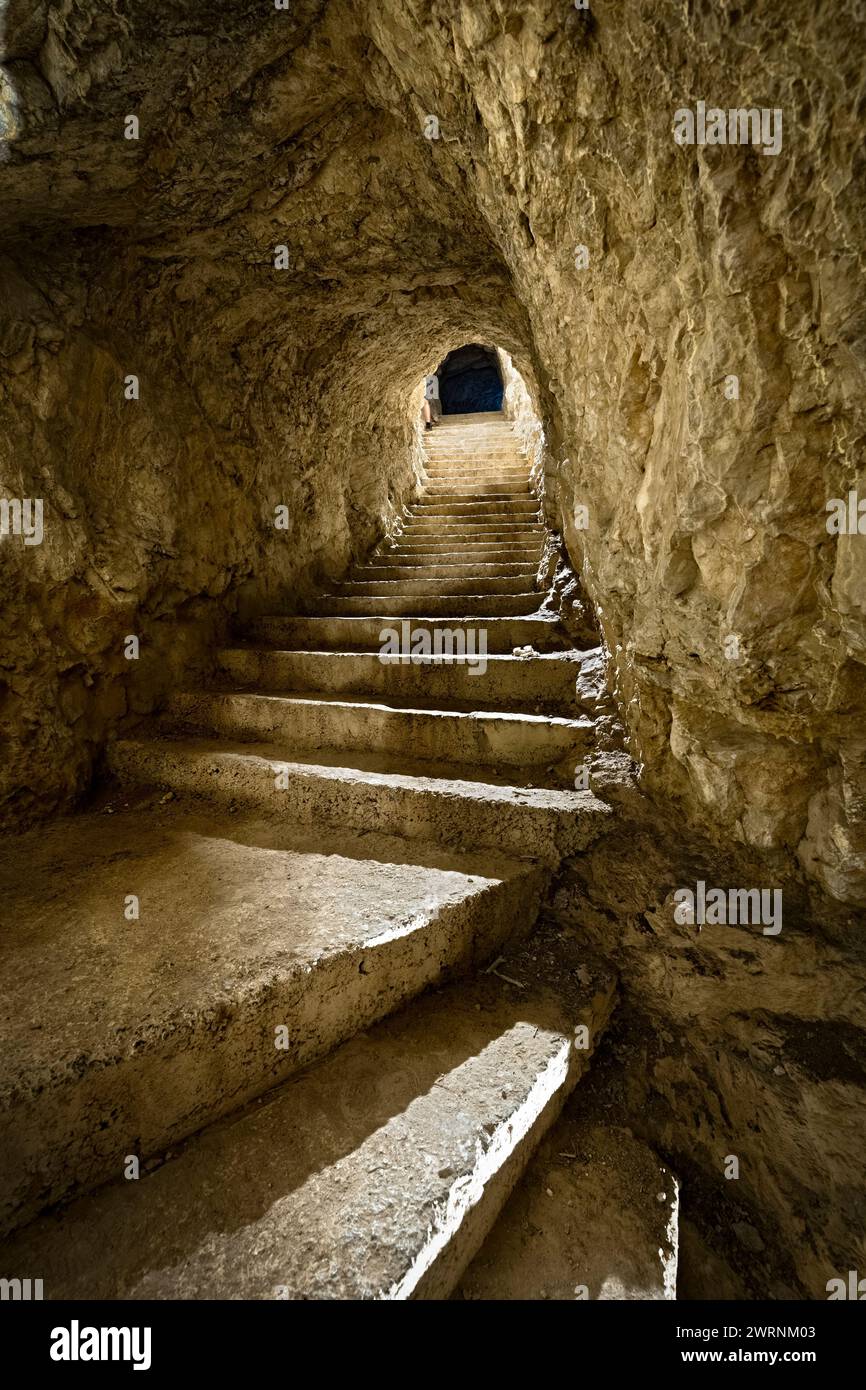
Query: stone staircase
(317,1058)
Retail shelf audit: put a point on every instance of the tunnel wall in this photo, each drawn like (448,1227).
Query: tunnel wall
(653,272)
(549,211)
(312,129)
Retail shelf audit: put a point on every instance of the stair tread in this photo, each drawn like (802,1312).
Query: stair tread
(243,922)
(375,1173)
(514,784)
(417,707)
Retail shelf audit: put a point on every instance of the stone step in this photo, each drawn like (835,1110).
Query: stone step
(449,806)
(382,589)
(438,446)
(449,546)
(487,552)
(483,510)
(444,436)
(481,486)
(490,471)
(456,531)
(122,1036)
(374,1174)
(364,633)
(437,570)
(492,682)
(527,558)
(458,480)
(485,455)
(475,426)
(494,493)
(491,465)
(594,1217)
(481,738)
(449,606)
(459,539)
(438,442)
(504,467)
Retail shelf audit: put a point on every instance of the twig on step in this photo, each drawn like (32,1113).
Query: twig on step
(492,970)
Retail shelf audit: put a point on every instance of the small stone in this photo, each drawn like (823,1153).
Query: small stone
(748,1237)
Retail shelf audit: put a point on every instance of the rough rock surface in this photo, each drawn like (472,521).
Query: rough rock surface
(306,128)
(260,387)
(730,1043)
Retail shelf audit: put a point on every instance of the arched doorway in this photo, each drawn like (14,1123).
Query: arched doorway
(470,381)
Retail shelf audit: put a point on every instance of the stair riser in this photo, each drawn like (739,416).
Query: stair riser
(454,490)
(454,550)
(489,682)
(459,533)
(362,634)
(459,480)
(379,589)
(438,571)
(477,740)
(490,606)
(455,560)
(484,511)
(473,527)
(514,547)
(486,496)
(491,452)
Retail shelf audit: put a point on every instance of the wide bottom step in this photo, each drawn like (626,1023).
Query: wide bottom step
(375,1174)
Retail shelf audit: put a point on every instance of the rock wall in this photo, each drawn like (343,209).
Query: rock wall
(162,514)
(730,1044)
(503,172)
(652,273)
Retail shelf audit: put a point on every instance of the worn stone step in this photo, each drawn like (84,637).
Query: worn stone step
(450,606)
(308,722)
(466,474)
(438,441)
(543,633)
(374,1174)
(492,494)
(449,546)
(483,510)
(456,538)
(119,1037)
(484,469)
(473,435)
(595,1216)
(487,473)
(491,681)
(382,589)
(423,528)
(400,568)
(458,557)
(448,805)
(454,560)
(485,453)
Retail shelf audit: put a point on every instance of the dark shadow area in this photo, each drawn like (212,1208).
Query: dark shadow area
(469,381)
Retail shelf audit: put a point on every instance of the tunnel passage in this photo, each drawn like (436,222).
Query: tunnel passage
(470,381)
(685,319)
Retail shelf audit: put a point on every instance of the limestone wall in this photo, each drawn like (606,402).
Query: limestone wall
(309,129)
